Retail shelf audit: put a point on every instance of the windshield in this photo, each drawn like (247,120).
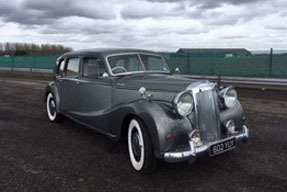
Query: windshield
(154,63)
(132,63)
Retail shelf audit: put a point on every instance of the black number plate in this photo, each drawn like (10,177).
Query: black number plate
(221,147)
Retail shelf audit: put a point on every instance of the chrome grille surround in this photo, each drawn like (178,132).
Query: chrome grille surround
(206,110)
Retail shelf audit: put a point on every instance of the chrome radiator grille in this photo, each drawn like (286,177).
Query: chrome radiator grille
(207,115)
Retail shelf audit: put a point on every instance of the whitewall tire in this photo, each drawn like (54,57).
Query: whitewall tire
(51,107)
(140,147)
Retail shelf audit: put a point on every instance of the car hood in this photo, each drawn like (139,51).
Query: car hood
(154,82)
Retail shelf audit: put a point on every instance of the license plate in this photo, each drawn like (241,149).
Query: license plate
(222,147)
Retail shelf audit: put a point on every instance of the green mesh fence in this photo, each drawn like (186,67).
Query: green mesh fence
(251,66)
(6,62)
(200,66)
(246,67)
(23,62)
(45,62)
(279,66)
(31,62)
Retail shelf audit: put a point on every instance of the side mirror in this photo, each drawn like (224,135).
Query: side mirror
(177,70)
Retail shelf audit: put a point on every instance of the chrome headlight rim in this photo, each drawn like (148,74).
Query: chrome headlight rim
(226,97)
(178,98)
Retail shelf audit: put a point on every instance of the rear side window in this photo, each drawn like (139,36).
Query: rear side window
(72,69)
(93,67)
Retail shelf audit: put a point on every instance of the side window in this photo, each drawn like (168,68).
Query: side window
(72,70)
(93,67)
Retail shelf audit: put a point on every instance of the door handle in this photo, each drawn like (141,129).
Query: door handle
(78,82)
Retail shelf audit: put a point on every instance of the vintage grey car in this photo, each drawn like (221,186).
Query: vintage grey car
(131,95)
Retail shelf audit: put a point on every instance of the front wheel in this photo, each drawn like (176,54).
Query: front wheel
(140,147)
(51,108)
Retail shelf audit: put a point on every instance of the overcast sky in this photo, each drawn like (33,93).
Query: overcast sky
(161,25)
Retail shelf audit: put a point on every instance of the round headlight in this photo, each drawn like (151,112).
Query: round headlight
(183,103)
(230,97)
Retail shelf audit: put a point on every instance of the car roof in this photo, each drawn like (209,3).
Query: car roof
(104,52)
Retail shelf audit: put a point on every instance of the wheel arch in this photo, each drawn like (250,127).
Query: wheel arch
(156,118)
(52,88)
(148,123)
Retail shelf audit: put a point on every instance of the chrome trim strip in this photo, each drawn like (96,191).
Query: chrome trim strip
(200,86)
(195,152)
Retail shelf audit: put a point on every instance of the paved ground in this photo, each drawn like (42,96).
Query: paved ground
(36,155)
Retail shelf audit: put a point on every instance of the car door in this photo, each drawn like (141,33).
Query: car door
(69,87)
(96,92)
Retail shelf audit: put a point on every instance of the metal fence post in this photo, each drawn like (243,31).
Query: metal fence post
(212,64)
(271,62)
(33,66)
(188,63)
(12,63)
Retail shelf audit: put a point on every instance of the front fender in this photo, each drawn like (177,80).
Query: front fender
(52,88)
(235,113)
(165,127)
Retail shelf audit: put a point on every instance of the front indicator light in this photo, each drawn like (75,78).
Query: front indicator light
(195,138)
(230,127)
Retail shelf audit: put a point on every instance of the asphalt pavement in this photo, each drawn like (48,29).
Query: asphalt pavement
(37,155)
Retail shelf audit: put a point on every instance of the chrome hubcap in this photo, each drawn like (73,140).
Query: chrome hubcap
(136,146)
(52,107)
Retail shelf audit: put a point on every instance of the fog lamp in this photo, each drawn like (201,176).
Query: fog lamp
(195,138)
(230,127)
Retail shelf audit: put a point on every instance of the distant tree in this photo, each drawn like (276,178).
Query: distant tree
(20,53)
(32,49)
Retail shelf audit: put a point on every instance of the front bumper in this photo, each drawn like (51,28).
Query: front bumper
(195,152)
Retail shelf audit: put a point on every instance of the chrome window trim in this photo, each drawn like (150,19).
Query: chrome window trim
(132,72)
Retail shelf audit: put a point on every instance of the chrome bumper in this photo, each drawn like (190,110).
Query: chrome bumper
(195,152)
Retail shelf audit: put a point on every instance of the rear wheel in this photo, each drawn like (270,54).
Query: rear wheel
(51,108)
(140,147)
